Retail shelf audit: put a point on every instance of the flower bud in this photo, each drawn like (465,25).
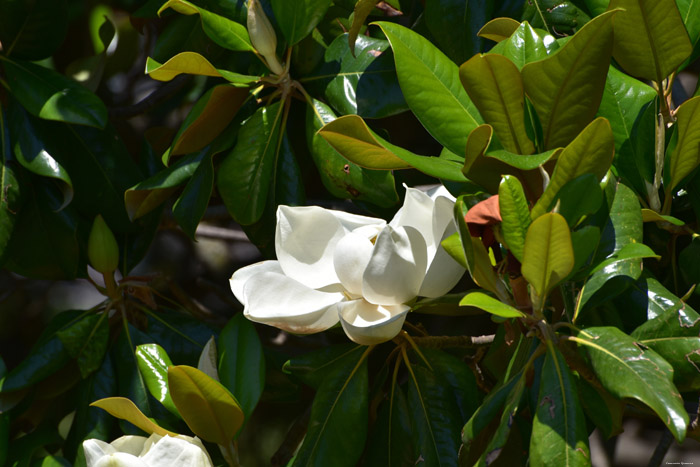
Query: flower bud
(262,35)
(103,251)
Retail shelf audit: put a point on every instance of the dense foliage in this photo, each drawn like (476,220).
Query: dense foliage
(560,128)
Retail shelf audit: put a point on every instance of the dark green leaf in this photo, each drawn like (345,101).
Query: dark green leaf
(52,96)
(683,353)
(298,19)
(578,198)
(686,156)
(688,263)
(628,370)
(455,374)
(339,416)
(601,407)
(664,313)
(390,443)
(341,177)
(241,362)
(10,192)
(431,87)
(192,203)
(557,16)
(245,175)
(42,362)
(559,434)
(584,240)
(360,13)
(454,24)
(86,341)
(32,30)
(312,368)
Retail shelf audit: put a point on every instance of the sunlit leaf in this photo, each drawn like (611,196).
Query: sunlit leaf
(515,215)
(123,408)
(490,304)
(499,29)
(193,63)
(686,157)
(153,362)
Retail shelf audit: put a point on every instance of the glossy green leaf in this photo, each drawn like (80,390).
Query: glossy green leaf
(341,177)
(223,31)
(194,64)
(189,208)
(578,198)
(362,10)
(9,184)
(245,174)
(51,252)
(683,353)
(667,315)
(524,46)
(650,38)
(241,363)
(591,152)
(556,16)
(30,151)
(495,86)
(548,253)
(499,29)
(431,87)
(686,157)
(207,407)
(339,416)
(690,14)
(515,215)
(153,362)
(298,19)
(624,99)
(353,139)
(151,193)
(52,96)
(43,361)
(453,373)
(454,25)
(86,341)
(626,370)
(210,115)
(364,83)
(566,88)
(559,433)
(490,304)
(33,30)
(124,409)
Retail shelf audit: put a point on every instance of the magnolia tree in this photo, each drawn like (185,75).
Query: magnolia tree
(536,284)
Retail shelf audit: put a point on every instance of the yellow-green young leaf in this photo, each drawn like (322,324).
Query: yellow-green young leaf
(103,251)
(207,407)
(591,152)
(185,62)
(491,305)
(362,10)
(495,86)
(498,29)
(650,38)
(515,214)
(209,116)
(123,408)
(549,255)
(686,156)
(566,88)
(482,271)
(477,143)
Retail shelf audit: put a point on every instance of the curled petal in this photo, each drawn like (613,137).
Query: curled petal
(130,444)
(278,300)
(305,240)
(351,256)
(443,274)
(177,452)
(397,267)
(241,276)
(369,324)
(95,449)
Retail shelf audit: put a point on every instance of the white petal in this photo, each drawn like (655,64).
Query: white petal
(280,301)
(241,276)
(176,452)
(305,240)
(95,449)
(369,324)
(351,256)
(443,274)
(129,444)
(397,267)
(119,459)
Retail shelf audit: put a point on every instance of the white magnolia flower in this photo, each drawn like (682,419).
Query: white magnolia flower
(155,451)
(334,266)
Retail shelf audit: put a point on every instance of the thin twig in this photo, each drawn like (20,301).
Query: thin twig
(661,449)
(440,342)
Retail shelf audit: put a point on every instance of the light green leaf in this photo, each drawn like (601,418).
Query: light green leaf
(194,64)
(153,362)
(52,96)
(207,407)
(477,143)
(627,370)
(686,157)
(566,88)
(124,409)
(490,304)
(650,38)
(515,215)
(498,29)
(524,46)
(549,255)
(495,86)
(591,152)
(224,32)
(430,83)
